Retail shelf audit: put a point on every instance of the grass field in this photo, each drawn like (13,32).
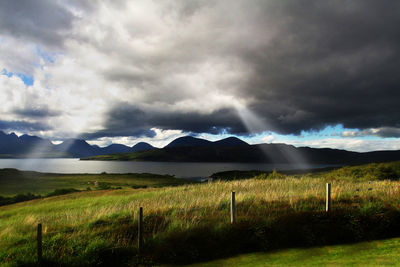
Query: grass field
(14,182)
(190,222)
(375,253)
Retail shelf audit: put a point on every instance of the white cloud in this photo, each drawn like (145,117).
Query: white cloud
(161,139)
(352,144)
(170,56)
(114,55)
(268,139)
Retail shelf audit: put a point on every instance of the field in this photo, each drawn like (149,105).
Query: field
(191,222)
(13,182)
(374,253)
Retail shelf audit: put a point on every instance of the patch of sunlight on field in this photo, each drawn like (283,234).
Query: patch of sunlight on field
(102,218)
(376,253)
(254,198)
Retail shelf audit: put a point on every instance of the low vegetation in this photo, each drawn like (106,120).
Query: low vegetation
(190,223)
(14,182)
(375,253)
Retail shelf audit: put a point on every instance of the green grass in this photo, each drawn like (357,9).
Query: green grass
(190,222)
(13,182)
(375,253)
(132,156)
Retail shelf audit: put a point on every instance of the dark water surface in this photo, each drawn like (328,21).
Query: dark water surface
(179,169)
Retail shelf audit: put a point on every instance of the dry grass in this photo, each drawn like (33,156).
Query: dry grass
(77,223)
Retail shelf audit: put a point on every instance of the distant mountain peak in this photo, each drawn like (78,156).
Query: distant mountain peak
(186,141)
(141,146)
(231,141)
(189,141)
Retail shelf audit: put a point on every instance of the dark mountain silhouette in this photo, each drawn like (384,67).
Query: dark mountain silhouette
(32,146)
(230,141)
(116,148)
(263,153)
(77,148)
(141,146)
(9,143)
(29,140)
(189,149)
(189,141)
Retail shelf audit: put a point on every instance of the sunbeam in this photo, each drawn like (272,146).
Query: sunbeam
(256,124)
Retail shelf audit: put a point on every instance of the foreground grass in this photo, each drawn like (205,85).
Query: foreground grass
(375,253)
(189,223)
(81,228)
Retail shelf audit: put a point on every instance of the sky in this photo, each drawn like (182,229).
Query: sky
(307,73)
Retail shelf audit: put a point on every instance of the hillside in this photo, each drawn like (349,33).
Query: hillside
(14,182)
(191,223)
(190,141)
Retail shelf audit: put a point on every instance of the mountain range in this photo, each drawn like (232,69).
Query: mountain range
(32,146)
(188,149)
(232,149)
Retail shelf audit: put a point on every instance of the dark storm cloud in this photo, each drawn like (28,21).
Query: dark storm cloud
(42,112)
(303,65)
(332,62)
(44,21)
(127,131)
(388,132)
(384,132)
(23,126)
(128,120)
(311,64)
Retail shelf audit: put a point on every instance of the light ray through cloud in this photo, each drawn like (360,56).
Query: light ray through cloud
(256,124)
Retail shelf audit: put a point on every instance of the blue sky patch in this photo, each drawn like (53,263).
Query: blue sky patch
(45,56)
(27,79)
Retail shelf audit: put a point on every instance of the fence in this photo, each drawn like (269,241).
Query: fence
(39,235)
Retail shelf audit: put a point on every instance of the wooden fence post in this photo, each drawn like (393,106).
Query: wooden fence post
(233,210)
(140,230)
(328,197)
(39,243)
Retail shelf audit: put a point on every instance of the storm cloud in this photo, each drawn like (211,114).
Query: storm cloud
(128,120)
(306,65)
(43,21)
(194,66)
(23,126)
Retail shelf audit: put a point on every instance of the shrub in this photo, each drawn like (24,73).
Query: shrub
(276,175)
(62,191)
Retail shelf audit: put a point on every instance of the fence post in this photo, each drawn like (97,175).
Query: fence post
(328,197)
(140,230)
(233,210)
(39,243)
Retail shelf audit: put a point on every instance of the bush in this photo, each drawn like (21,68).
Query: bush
(138,186)
(276,175)
(17,198)
(103,186)
(62,191)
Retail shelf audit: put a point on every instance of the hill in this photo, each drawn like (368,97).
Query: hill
(190,141)
(230,141)
(191,223)
(141,146)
